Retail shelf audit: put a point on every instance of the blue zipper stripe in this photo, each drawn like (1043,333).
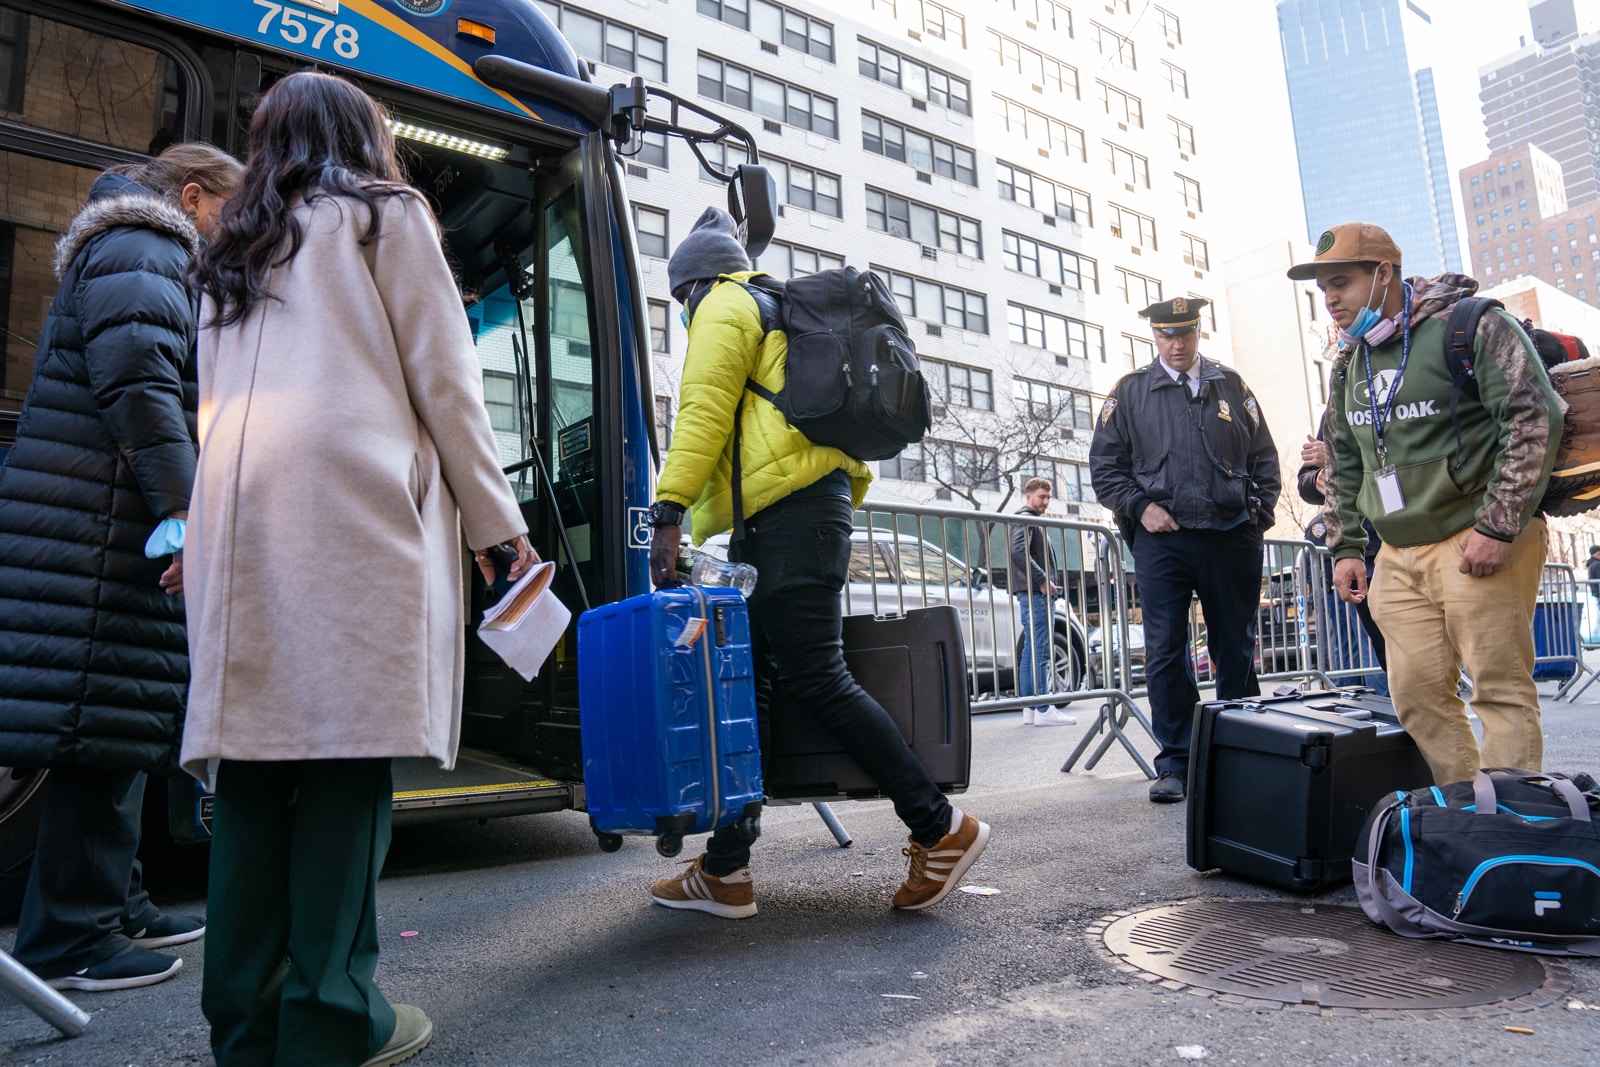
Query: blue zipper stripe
(1405,835)
(1554,861)
(1438,796)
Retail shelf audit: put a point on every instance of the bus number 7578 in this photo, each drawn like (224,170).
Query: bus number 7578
(293,29)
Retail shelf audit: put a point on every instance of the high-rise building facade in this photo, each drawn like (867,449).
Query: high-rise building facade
(1026,174)
(1524,228)
(1543,94)
(1360,84)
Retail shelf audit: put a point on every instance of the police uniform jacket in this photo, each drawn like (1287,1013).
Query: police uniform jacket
(1153,444)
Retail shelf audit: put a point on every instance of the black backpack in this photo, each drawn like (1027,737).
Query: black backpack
(1574,485)
(852,379)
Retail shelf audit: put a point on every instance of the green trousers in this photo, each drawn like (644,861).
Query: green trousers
(291,913)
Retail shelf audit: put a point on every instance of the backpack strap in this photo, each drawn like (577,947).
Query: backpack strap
(1459,334)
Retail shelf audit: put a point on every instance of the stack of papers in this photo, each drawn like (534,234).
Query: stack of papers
(525,624)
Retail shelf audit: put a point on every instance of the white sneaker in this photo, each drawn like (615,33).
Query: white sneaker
(1027,716)
(1054,717)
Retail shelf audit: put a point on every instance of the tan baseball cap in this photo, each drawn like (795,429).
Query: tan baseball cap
(1349,242)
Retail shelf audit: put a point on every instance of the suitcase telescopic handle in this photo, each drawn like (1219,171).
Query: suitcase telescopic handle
(1484,799)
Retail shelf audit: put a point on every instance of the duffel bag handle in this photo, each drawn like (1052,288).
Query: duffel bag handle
(1484,799)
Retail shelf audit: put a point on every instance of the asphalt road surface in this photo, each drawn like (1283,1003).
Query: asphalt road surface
(532,947)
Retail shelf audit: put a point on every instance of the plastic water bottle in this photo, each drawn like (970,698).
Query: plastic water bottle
(700,568)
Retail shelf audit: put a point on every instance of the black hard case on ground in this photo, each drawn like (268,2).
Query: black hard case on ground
(1279,787)
(915,666)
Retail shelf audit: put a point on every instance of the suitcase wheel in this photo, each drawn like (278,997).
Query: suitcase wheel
(668,845)
(608,842)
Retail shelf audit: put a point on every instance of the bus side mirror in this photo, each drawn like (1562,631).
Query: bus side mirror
(753,200)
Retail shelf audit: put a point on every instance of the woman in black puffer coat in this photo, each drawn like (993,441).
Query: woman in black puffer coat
(93,660)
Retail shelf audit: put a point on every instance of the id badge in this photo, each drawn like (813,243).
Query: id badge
(1389,494)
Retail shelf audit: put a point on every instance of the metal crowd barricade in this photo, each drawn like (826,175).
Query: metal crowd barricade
(1557,639)
(1588,640)
(909,556)
(1341,650)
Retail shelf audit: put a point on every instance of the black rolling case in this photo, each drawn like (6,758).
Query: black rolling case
(914,665)
(1279,787)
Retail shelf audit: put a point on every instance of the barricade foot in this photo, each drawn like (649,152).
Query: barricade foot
(835,827)
(45,1002)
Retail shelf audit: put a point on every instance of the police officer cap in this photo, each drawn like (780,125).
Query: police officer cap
(1175,317)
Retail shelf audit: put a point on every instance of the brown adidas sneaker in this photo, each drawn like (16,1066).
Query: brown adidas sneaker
(731,897)
(937,870)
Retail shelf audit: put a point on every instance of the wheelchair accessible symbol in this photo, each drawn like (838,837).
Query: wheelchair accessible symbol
(639,528)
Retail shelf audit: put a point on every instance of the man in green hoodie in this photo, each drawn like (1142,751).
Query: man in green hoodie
(1453,498)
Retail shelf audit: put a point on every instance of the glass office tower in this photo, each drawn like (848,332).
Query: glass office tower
(1366,124)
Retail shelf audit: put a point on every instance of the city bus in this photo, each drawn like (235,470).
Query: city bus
(523,157)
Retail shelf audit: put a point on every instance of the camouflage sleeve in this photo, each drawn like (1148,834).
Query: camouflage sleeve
(1345,537)
(1517,393)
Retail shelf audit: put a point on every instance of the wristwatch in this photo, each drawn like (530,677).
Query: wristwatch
(663,513)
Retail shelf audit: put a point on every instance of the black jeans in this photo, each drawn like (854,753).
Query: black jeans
(84,889)
(1224,568)
(800,548)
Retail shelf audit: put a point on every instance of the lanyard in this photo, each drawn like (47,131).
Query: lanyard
(1379,418)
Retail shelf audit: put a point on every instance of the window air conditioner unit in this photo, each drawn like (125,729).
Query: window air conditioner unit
(933,330)
(1045,152)
(1055,290)
(918,105)
(1128,186)
(1183,156)
(1049,220)
(1116,231)
(924,177)
(914,35)
(768,46)
(1138,251)
(636,171)
(929,252)
(1199,274)
(772,127)
(1192,215)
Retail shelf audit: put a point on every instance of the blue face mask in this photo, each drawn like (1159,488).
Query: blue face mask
(683,317)
(1365,321)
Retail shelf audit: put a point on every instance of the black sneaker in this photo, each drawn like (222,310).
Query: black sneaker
(1168,789)
(126,970)
(168,930)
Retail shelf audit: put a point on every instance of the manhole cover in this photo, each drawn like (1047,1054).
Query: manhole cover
(1316,957)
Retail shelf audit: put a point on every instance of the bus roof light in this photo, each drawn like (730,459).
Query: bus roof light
(451,141)
(475,30)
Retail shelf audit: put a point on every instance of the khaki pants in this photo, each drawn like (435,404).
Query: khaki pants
(1436,620)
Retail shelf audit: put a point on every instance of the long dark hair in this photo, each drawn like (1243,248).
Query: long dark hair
(313,135)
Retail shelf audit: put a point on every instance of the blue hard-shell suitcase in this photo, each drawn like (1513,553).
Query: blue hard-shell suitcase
(667,712)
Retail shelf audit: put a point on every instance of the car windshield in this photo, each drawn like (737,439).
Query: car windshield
(921,565)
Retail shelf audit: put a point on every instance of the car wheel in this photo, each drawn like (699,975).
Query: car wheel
(1070,669)
(19,834)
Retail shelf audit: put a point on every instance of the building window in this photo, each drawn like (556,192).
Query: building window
(660,339)
(1137,351)
(1131,167)
(1055,333)
(1136,289)
(947,462)
(1040,130)
(802,187)
(1183,133)
(1177,79)
(500,398)
(1045,73)
(664,423)
(1121,106)
(945,23)
(1189,189)
(652,150)
(608,42)
(923,151)
(1112,44)
(791,261)
(1046,401)
(1208,315)
(1171,26)
(1045,14)
(920,80)
(1056,265)
(924,223)
(768,97)
(650,227)
(774,23)
(923,298)
(956,383)
(1036,191)
(1133,227)
(1195,253)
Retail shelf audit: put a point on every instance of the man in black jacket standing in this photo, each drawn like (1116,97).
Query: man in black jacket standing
(1183,458)
(1030,572)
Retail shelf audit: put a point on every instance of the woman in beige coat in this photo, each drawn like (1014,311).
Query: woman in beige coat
(345,449)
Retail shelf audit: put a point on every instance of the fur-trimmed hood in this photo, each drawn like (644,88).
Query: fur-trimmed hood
(116,201)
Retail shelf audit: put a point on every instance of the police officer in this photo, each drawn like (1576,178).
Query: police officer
(1183,458)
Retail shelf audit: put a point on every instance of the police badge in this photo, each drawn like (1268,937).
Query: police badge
(1107,409)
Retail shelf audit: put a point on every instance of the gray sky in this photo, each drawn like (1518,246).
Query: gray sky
(1251,95)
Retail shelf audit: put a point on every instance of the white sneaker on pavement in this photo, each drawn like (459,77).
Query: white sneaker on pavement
(1054,717)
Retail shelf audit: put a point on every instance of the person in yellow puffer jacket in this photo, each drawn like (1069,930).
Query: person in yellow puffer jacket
(798,501)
